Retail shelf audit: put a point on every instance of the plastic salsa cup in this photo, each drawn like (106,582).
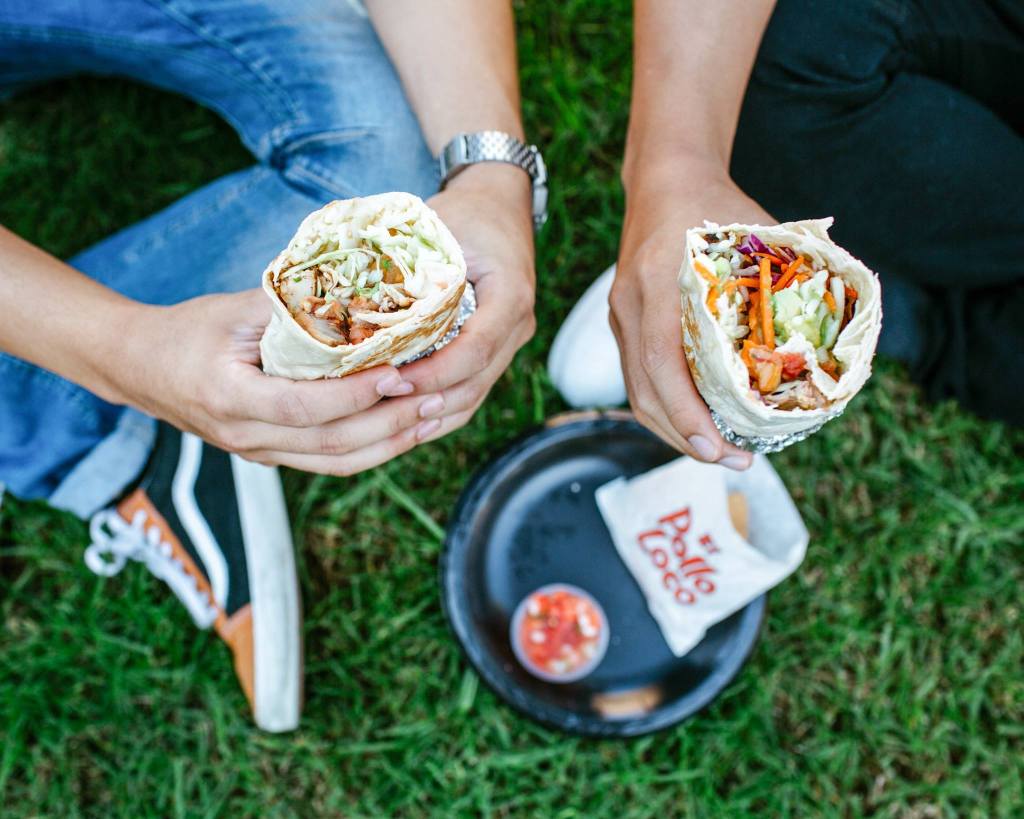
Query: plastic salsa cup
(559,633)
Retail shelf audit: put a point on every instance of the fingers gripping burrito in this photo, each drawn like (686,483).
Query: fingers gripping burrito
(367,281)
(779,327)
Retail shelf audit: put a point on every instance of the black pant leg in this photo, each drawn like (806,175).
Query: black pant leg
(925,181)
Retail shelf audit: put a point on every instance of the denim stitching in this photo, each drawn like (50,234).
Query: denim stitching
(311,171)
(336,136)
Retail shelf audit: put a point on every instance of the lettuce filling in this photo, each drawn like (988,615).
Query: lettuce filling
(341,292)
(763,295)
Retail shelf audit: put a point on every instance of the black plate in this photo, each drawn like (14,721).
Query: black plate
(529,518)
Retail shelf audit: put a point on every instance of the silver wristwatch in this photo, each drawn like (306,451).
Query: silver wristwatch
(497,146)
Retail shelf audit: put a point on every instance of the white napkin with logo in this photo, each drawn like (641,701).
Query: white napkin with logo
(672,528)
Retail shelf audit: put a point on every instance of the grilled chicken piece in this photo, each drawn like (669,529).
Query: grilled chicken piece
(392,273)
(327,331)
(360,331)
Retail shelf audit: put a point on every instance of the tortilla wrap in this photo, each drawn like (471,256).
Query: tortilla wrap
(356,238)
(717,368)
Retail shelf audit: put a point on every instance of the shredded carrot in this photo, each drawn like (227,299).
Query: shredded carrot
(830,300)
(848,309)
(770,257)
(788,275)
(707,274)
(767,325)
(745,355)
(743,281)
(802,277)
(752,313)
(712,298)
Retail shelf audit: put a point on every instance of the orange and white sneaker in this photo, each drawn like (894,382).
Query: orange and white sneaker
(215,529)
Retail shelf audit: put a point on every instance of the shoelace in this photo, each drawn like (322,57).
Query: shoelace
(115,542)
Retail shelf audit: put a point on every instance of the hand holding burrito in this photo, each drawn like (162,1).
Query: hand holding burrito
(779,327)
(379,279)
(196,364)
(766,379)
(645,313)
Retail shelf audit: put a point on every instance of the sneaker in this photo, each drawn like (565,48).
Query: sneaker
(215,529)
(584,362)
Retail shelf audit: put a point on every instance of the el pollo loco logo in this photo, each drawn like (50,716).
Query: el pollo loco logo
(686,571)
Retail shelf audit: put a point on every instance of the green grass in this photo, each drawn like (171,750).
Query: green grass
(888,681)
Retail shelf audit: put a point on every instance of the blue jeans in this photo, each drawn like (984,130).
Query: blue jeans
(311,93)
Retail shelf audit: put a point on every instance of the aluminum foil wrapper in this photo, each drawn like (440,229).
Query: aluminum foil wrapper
(766,443)
(466,308)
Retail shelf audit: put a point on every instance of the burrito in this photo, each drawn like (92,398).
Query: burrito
(779,327)
(366,281)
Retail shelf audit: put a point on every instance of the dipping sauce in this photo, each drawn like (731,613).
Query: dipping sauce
(559,633)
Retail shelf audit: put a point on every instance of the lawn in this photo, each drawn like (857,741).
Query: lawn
(887,682)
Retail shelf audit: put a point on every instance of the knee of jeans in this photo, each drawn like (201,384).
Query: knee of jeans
(339,163)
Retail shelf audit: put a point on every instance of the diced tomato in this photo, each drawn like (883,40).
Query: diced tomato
(792,365)
(768,368)
(557,629)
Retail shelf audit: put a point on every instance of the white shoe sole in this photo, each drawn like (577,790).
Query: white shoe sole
(584,362)
(274,596)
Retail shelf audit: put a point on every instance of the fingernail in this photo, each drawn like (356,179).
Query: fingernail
(432,406)
(705,449)
(392,385)
(737,462)
(427,428)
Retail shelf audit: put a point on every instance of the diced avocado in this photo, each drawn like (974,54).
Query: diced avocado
(804,325)
(829,331)
(786,304)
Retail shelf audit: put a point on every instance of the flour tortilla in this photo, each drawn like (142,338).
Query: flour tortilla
(289,350)
(716,366)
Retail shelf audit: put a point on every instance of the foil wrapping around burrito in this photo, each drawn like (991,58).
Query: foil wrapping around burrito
(466,308)
(765,444)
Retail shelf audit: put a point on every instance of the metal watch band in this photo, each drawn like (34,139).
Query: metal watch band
(497,146)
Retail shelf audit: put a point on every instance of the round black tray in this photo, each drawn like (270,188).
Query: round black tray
(529,518)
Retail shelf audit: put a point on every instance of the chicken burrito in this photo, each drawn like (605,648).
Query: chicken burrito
(779,327)
(366,281)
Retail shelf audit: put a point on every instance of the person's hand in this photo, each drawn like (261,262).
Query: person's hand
(487,208)
(646,311)
(197,365)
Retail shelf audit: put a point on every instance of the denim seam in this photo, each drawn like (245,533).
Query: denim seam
(70,36)
(311,171)
(336,136)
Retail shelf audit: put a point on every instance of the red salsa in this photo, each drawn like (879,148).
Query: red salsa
(559,632)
